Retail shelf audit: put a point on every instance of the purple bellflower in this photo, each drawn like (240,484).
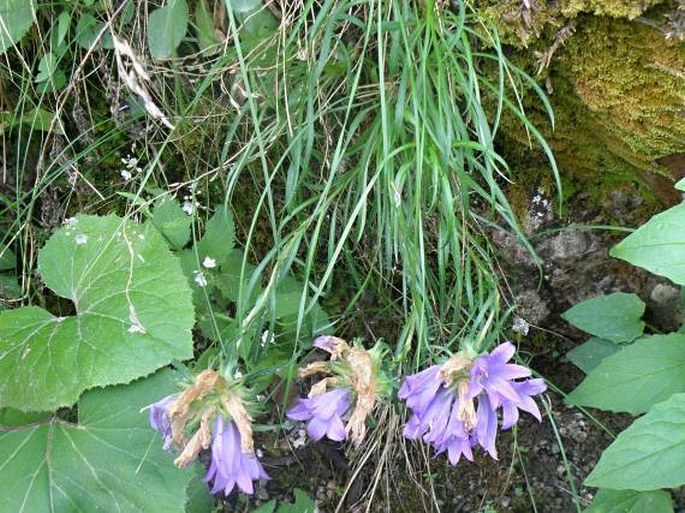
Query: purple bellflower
(323,414)
(230,466)
(159,418)
(442,399)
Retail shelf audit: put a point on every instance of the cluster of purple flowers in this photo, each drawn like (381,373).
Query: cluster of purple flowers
(455,406)
(442,400)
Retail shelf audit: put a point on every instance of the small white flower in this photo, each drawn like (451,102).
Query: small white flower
(209,262)
(521,326)
(188,207)
(267,338)
(237,374)
(126,175)
(200,278)
(81,239)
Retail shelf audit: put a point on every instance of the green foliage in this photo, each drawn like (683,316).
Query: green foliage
(16,18)
(615,317)
(649,454)
(589,354)
(657,245)
(645,376)
(108,458)
(166,28)
(303,504)
(133,315)
(631,501)
(172,222)
(644,373)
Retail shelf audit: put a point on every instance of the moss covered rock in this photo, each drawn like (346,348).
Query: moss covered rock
(616,82)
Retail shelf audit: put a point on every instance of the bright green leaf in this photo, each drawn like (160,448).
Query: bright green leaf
(634,379)
(631,501)
(204,26)
(228,281)
(46,67)
(63,23)
(218,239)
(166,28)
(649,454)
(86,30)
(288,296)
(110,460)
(589,354)
(303,504)
(658,245)
(16,18)
(614,317)
(133,315)
(199,499)
(268,507)
(172,222)
(8,259)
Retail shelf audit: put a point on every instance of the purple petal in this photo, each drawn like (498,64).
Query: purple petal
(229,466)
(325,342)
(486,426)
(300,410)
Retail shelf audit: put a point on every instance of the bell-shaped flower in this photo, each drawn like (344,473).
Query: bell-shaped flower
(442,399)
(231,466)
(323,414)
(159,418)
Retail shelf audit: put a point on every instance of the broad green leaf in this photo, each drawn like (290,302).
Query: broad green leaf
(133,315)
(588,355)
(614,317)
(9,287)
(204,26)
(228,281)
(8,260)
(199,499)
(109,460)
(63,23)
(268,507)
(16,18)
(303,504)
(649,454)
(218,239)
(173,222)
(658,245)
(166,28)
(87,30)
(46,67)
(288,296)
(634,379)
(631,501)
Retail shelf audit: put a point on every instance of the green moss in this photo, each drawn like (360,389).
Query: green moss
(521,25)
(631,80)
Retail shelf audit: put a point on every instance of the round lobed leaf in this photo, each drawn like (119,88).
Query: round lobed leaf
(134,314)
